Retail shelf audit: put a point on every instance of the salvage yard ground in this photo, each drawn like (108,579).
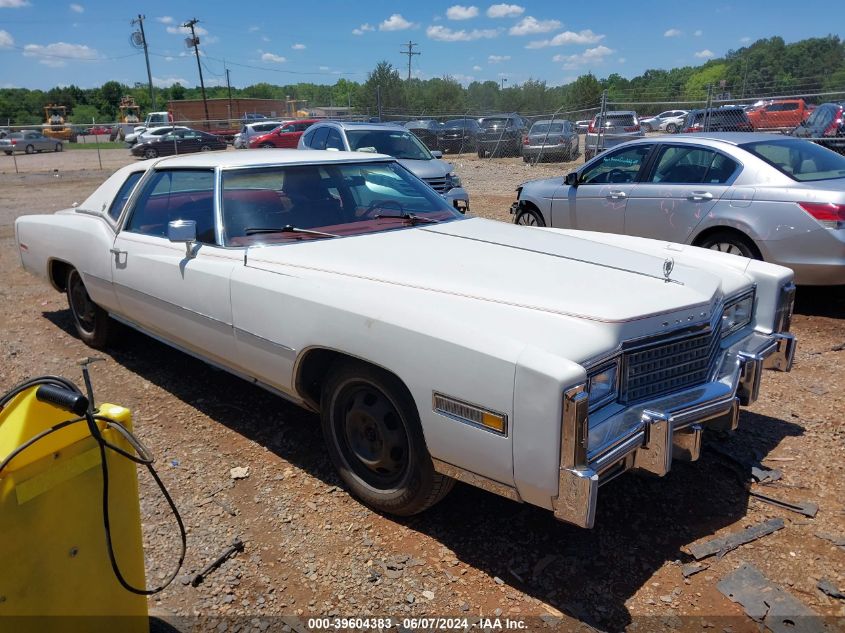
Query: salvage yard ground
(313,550)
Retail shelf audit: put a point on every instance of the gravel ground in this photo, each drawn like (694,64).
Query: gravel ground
(313,550)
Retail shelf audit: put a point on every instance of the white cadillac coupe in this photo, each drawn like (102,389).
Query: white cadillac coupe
(535,363)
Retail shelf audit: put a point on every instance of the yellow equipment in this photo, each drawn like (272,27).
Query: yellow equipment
(54,556)
(54,122)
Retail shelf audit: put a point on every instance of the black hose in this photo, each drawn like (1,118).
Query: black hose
(144,457)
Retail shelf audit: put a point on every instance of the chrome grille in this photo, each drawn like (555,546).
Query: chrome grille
(665,367)
(440,185)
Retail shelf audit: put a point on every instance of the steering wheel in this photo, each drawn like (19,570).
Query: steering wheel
(382,204)
(615,173)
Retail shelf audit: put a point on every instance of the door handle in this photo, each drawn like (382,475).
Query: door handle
(116,251)
(700,196)
(617,195)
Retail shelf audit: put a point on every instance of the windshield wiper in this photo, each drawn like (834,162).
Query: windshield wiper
(409,217)
(286,229)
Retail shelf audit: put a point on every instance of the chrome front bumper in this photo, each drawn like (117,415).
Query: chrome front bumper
(649,435)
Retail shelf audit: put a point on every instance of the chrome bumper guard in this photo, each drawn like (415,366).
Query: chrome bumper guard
(667,428)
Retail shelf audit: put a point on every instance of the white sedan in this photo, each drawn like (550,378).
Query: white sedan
(535,363)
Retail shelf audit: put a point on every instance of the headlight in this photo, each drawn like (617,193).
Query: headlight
(456,180)
(737,314)
(603,384)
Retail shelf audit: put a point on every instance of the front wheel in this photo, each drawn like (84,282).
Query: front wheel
(58,147)
(671,128)
(529,217)
(150,153)
(647,128)
(267,145)
(91,321)
(375,441)
(205,148)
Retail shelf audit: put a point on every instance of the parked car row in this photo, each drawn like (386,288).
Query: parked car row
(174,140)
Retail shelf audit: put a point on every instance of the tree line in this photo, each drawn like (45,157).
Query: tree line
(768,67)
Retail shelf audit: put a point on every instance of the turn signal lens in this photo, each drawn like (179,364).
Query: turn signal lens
(471,414)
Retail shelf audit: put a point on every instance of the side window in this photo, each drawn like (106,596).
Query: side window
(123,194)
(318,141)
(307,138)
(288,128)
(618,167)
(184,194)
(790,106)
(333,140)
(300,127)
(692,165)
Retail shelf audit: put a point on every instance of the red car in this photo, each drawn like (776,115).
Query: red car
(286,135)
(100,130)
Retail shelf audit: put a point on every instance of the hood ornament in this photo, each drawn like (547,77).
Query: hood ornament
(668,267)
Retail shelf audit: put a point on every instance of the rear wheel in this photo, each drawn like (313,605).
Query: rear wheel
(672,128)
(529,217)
(91,321)
(374,438)
(730,242)
(266,145)
(205,148)
(150,152)
(647,127)
(30,149)
(58,147)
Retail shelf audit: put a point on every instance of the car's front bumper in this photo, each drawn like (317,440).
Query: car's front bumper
(458,198)
(649,435)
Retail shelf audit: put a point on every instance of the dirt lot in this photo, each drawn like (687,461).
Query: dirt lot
(313,550)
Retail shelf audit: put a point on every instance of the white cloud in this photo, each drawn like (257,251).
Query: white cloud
(590,56)
(298,47)
(476,68)
(504,10)
(445,34)
(363,29)
(622,60)
(568,37)
(530,25)
(57,54)
(6,39)
(705,54)
(13,4)
(165,19)
(745,39)
(253,29)
(166,82)
(497,59)
(395,23)
(462,79)
(264,38)
(460,12)
(184,30)
(698,33)
(271,57)
(77,8)
(169,58)
(324,67)
(673,33)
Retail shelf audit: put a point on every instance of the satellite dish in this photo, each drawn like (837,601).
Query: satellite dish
(137,39)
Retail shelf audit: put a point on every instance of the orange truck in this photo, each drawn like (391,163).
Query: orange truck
(780,114)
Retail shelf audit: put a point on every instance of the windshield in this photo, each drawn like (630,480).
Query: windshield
(547,128)
(282,204)
(800,160)
(488,123)
(461,124)
(396,143)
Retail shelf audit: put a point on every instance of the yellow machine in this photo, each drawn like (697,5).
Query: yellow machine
(54,122)
(130,116)
(69,563)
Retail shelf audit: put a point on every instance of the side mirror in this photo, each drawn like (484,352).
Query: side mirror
(437,153)
(571,179)
(183,231)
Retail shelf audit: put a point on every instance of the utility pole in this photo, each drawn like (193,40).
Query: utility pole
(229,86)
(190,25)
(140,22)
(410,53)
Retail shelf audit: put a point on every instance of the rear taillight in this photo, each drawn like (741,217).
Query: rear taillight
(830,215)
(14,141)
(635,128)
(831,129)
(525,140)
(592,127)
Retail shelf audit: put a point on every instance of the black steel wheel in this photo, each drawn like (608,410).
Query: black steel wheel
(91,321)
(374,438)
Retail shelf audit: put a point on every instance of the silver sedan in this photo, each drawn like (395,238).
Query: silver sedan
(29,141)
(761,196)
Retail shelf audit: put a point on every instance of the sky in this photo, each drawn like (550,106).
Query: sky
(48,43)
